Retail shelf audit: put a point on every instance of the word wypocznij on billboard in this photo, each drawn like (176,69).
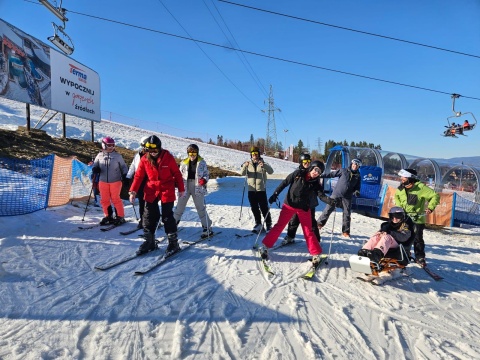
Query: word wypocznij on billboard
(34,73)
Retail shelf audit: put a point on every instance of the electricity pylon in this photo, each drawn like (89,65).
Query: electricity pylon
(271,139)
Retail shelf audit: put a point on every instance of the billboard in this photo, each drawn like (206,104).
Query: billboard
(33,72)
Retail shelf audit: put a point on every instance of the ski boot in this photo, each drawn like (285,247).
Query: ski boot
(287,240)
(207,232)
(263,252)
(148,245)
(173,246)
(107,220)
(119,220)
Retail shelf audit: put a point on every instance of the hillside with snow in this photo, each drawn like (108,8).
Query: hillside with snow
(213,301)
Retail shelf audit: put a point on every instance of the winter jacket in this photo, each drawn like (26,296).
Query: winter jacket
(348,182)
(256,175)
(301,190)
(201,172)
(404,234)
(134,165)
(413,200)
(162,178)
(112,166)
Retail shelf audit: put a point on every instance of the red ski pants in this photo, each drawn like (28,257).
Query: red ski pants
(305,218)
(111,192)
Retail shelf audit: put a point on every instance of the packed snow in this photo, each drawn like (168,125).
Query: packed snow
(213,301)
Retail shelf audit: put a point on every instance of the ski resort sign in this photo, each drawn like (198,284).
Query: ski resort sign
(34,73)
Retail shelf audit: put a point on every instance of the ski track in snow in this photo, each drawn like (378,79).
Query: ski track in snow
(212,302)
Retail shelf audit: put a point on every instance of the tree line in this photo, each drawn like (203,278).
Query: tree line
(278,150)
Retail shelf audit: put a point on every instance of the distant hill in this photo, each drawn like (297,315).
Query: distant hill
(471,160)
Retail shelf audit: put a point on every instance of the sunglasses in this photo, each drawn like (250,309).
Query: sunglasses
(306,161)
(152,150)
(254,152)
(192,153)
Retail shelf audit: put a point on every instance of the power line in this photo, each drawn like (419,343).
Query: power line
(242,58)
(208,57)
(274,57)
(350,29)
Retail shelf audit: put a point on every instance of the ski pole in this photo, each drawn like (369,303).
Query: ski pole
(135,212)
(261,230)
(243,196)
(89,196)
(206,218)
(331,237)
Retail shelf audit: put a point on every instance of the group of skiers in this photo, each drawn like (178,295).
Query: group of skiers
(155,177)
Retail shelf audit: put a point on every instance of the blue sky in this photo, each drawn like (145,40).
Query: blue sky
(174,85)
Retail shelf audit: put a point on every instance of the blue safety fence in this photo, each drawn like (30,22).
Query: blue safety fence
(466,211)
(24,185)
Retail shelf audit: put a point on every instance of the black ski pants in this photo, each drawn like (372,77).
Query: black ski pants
(258,202)
(151,217)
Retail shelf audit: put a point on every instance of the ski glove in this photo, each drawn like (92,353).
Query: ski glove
(96,170)
(385,227)
(202,182)
(125,181)
(272,198)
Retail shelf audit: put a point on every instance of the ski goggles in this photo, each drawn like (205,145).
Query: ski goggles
(357,162)
(150,145)
(254,153)
(306,161)
(191,153)
(317,170)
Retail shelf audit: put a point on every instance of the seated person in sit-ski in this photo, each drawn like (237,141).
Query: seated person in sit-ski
(397,230)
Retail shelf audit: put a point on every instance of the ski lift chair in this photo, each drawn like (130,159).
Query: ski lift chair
(459,129)
(64,42)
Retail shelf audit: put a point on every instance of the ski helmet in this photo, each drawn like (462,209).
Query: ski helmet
(107,142)
(143,141)
(193,148)
(357,161)
(153,142)
(319,164)
(304,157)
(408,173)
(396,212)
(255,149)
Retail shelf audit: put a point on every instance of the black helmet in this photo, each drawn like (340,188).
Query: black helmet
(319,164)
(192,148)
(398,213)
(304,157)
(255,149)
(153,142)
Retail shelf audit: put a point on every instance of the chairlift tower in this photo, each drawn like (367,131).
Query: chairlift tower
(271,138)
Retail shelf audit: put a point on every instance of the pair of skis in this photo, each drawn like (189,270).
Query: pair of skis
(163,258)
(106,228)
(265,266)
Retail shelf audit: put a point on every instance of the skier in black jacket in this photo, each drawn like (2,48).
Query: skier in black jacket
(293,224)
(302,183)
